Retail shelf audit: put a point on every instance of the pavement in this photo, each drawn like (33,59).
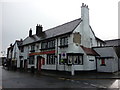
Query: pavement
(81,75)
(78,74)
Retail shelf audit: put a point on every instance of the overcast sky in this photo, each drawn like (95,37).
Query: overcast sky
(18,16)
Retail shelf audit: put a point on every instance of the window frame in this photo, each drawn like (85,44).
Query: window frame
(50,61)
(64,41)
(31,60)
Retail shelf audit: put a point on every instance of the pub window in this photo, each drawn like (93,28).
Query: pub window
(63,41)
(75,59)
(50,58)
(37,47)
(22,49)
(69,59)
(44,45)
(48,44)
(32,47)
(31,60)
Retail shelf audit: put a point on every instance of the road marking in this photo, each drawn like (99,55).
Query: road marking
(78,82)
(62,78)
(67,79)
(72,81)
(85,83)
(93,85)
(102,87)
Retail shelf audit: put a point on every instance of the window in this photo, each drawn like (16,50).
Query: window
(69,59)
(64,41)
(50,58)
(31,60)
(75,59)
(32,48)
(22,49)
(91,42)
(44,45)
(37,47)
(103,62)
(48,44)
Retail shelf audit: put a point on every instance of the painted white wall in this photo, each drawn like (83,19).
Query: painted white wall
(111,64)
(16,54)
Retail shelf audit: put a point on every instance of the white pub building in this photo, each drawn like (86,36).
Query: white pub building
(67,47)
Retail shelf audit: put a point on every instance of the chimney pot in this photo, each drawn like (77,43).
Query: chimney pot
(30,32)
(39,30)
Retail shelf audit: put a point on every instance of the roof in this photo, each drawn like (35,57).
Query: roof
(99,39)
(89,51)
(114,42)
(105,51)
(53,32)
(19,43)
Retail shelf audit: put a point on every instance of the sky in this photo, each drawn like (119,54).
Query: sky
(18,16)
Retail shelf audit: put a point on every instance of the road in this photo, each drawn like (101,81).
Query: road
(15,79)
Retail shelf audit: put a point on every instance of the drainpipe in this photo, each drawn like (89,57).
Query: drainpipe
(72,70)
(57,55)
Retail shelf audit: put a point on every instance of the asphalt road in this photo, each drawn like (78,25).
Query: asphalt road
(15,79)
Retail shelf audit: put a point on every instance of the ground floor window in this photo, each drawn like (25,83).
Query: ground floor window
(31,59)
(50,59)
(75,59)
(72,58)
(102,62)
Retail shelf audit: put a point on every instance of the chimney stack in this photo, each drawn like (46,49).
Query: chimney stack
(39,30)
(30,32)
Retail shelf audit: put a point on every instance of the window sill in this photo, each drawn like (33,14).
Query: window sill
(63,46)
(102,65)
(47,48)
(32,50)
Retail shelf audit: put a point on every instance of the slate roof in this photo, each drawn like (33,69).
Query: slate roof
(105,52)
(53,32)
(19,43)
(89,51)
(115,42)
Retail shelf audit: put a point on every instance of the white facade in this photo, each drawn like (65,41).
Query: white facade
(68,47)
(80,60)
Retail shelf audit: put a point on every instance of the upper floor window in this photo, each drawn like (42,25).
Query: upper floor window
(32,48)
(64,41)
(91,42)
(22,49)
(48,44)
(37,47)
